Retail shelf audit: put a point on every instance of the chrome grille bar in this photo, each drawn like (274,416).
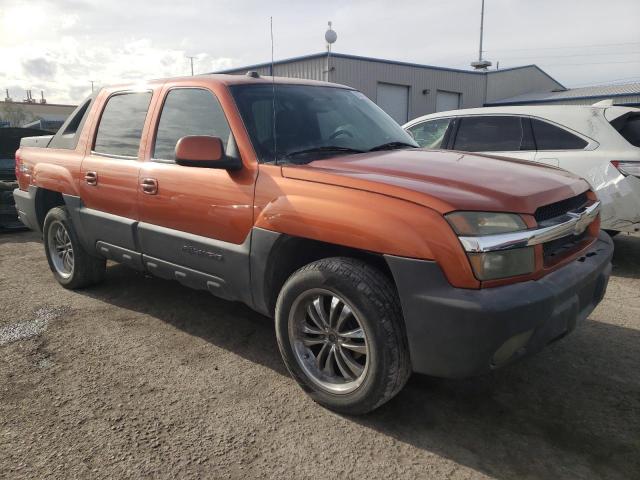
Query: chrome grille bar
(574,223)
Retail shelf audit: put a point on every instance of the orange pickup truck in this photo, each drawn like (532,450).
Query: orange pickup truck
(305,201)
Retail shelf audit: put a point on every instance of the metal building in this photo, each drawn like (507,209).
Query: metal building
(408,90)
(627,94)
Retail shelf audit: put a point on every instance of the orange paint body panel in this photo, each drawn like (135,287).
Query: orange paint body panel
(389,202)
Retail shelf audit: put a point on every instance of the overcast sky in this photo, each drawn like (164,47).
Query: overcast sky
(60,45)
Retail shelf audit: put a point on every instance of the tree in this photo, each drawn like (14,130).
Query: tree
(15,114)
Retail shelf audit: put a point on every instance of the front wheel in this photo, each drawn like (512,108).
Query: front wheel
(70,263)
(341,334)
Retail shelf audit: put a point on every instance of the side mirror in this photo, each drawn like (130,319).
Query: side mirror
(204,151)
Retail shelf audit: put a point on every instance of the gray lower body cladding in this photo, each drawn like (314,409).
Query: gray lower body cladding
(25,204)
(454,332)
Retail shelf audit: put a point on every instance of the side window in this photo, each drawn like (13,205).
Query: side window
(68,135)
(490,134)
(550,137)
(189,111)
(121,124)
(430,134)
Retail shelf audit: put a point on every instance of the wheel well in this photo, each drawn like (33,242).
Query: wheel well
(292,253)
(45,201)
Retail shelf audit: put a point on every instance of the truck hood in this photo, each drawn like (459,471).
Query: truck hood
(446,180)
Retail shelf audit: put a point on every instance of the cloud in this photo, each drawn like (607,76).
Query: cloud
(71,42)
(39,68)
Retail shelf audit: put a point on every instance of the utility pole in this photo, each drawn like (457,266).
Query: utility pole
(191,58)
(91,85)
(481,64)
(481,32)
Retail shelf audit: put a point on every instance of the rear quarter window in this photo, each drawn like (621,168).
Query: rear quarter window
(628,126)
(552,137)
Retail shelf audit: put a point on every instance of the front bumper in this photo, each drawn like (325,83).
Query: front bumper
(454,332)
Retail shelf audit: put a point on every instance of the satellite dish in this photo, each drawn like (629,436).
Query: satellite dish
(330,35)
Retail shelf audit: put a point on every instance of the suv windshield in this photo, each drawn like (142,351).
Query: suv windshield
(313,121)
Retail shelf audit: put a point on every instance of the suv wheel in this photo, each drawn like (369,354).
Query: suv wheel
(341,334)
(71,265)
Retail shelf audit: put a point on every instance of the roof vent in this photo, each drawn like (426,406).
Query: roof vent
(252,74)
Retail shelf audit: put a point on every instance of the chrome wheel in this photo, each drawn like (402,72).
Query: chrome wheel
(329,341)
(60,249)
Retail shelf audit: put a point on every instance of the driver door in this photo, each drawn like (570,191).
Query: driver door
(199,218)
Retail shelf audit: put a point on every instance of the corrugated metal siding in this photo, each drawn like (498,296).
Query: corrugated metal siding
(365,76)
(626,100)
(510,83)
(312,69)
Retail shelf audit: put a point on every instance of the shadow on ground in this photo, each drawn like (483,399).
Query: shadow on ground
(572,411)
(626,258)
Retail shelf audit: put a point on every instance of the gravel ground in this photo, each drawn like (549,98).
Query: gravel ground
(141,377)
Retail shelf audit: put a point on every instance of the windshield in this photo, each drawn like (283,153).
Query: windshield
(314,121)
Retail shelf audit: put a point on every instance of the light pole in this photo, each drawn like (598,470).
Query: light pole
(191,58)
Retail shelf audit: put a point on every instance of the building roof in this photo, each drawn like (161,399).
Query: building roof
(378,60)
(594,92)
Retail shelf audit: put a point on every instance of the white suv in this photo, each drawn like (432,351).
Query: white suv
(600,143)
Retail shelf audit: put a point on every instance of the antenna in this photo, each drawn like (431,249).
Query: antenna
(273,98)
(481,64)
(330,36)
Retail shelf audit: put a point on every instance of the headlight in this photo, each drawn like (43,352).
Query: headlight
(504,263)
(498,264)
(485,223)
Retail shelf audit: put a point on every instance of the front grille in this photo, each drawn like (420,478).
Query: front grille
(558,248)
(555,250)
(560,208)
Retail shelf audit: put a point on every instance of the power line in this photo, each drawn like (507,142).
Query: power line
(585,63)
(573,55)
(562,48)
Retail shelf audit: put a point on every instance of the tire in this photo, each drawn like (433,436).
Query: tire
(83,269)
(375,310)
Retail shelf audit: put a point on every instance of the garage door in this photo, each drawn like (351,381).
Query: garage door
(447,101)
(394,99)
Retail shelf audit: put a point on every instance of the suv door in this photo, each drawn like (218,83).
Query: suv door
(500,135)
(194,217)
(109,171)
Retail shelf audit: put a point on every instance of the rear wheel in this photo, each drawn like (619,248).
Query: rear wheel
(71,265)
(340,331)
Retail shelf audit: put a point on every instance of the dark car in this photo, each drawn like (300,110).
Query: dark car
(9,143)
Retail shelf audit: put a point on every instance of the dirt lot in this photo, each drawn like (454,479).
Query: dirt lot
(141,377)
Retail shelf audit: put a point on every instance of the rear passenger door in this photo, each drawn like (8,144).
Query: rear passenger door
(109,172)
(500,135)
(558,147)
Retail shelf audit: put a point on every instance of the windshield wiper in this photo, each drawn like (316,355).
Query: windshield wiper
(323,149)
(391,146)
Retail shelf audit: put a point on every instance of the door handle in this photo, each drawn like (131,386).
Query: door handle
(149,186)
(91,178)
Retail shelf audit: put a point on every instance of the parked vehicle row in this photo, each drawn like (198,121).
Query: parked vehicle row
(598,143)
(307,202)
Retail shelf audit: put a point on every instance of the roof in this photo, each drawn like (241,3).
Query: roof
(594,92)
(377,60)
